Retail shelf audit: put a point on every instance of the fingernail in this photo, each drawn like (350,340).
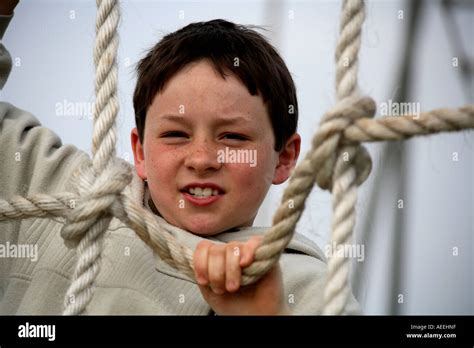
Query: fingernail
(231,285)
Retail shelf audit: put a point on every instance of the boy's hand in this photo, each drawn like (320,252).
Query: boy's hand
(218,269)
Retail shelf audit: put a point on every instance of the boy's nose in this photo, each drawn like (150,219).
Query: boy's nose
(202,158)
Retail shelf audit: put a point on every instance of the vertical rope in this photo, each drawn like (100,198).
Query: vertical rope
(104,139)
(106,105)
(347,49)
(337,290)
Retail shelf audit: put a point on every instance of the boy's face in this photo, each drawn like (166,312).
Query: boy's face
(204,130)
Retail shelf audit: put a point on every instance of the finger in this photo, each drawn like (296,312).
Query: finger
(200,259)
(216,268)
(248,250)
(232,267)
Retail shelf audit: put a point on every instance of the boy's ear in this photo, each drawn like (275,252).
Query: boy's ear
(287,159)
(138,154)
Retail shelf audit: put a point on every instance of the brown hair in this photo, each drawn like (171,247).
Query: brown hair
(225,44)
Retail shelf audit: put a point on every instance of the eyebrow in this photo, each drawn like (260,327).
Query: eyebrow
(221,121)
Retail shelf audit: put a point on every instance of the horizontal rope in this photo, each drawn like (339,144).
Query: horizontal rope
(389,128)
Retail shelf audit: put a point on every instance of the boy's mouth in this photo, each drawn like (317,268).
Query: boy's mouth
(202,190)
(201,194)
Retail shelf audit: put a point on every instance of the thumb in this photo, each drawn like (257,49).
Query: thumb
(250,247)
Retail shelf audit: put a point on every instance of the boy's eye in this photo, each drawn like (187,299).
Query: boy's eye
(235,136)
(174,134)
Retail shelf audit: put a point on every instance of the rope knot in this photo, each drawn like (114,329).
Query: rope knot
(98,194)
(330,144)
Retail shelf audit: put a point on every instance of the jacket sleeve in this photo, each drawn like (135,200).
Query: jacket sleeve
(32,158)
(5,58)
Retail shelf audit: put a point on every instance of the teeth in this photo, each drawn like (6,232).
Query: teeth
(200,192)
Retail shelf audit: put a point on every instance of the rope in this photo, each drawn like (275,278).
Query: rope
(336,161)
(347,49)
(346,173)
(101,174)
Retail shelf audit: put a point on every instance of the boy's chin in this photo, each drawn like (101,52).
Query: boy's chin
(211,228)
(199,227)
(204,231)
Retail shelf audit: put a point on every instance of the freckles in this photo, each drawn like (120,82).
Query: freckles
(162,156)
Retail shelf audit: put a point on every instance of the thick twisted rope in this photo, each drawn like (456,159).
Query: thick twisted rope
(92,180)
(100,184)
(350,171)
(347,49)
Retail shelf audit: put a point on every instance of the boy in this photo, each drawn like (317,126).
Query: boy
(216,114)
